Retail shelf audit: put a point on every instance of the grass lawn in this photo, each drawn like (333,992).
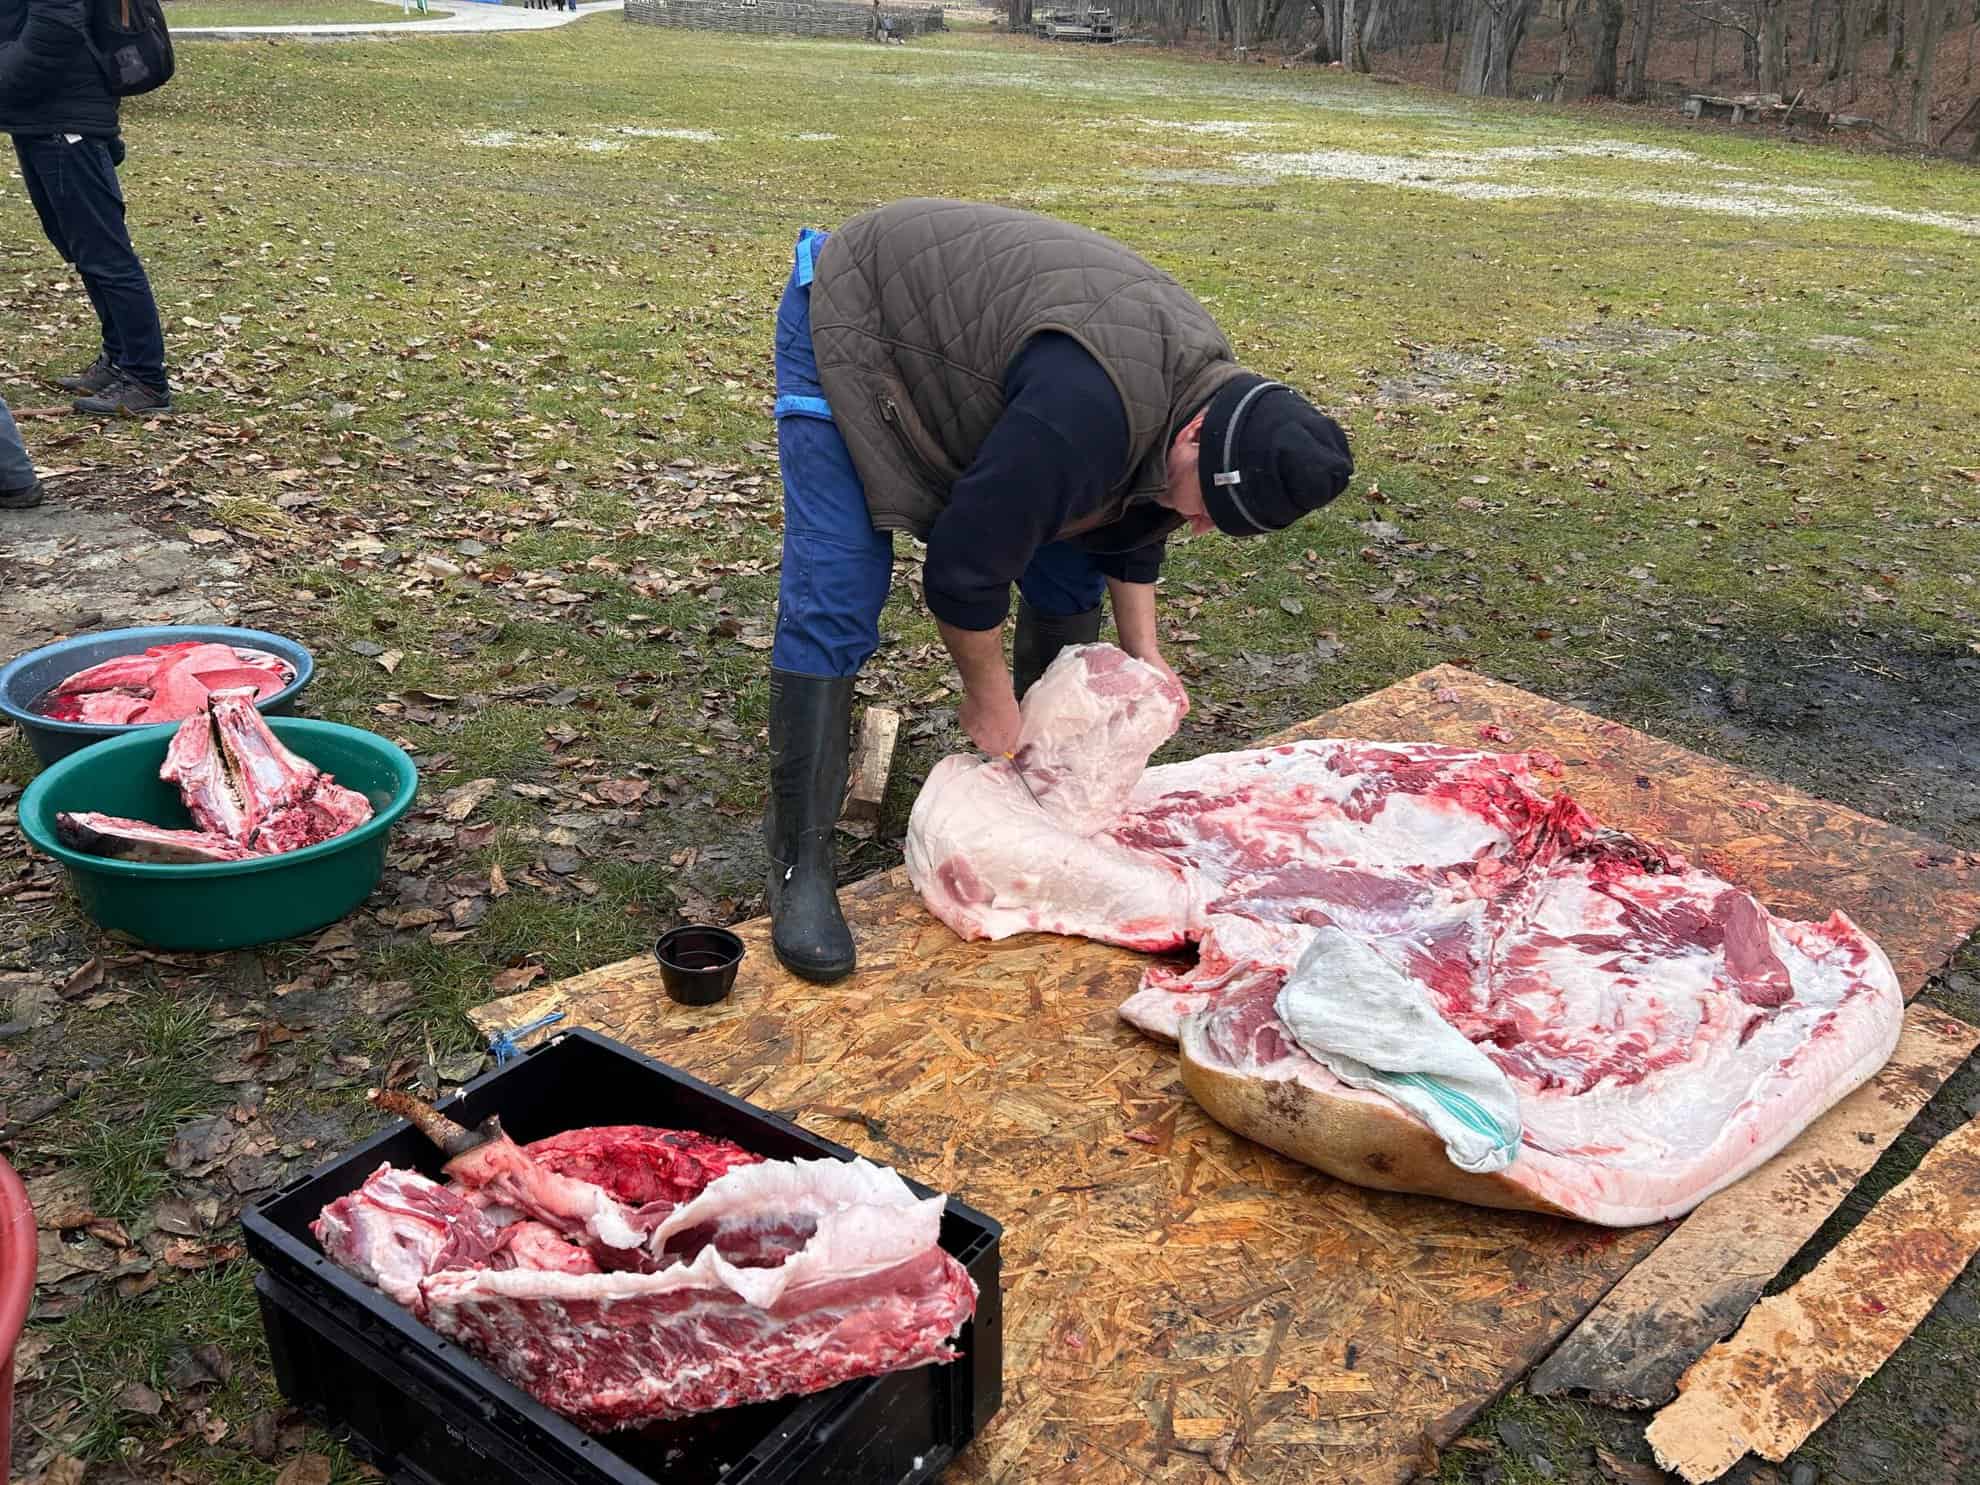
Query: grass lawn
(472,339)
(185,13)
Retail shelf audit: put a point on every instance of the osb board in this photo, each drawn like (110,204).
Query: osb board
(1704,1277)
(1801,1354)
(1177,1298)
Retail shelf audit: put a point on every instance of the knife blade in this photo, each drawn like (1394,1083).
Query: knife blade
(1011,758)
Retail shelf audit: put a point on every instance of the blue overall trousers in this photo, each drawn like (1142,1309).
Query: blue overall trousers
(837,567)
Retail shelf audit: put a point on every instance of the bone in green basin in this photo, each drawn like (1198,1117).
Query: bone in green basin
(221,905)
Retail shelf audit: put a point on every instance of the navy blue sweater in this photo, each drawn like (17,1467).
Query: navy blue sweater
(49,80)
(1059,450)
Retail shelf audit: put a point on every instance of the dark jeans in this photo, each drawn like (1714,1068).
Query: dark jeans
(75,192)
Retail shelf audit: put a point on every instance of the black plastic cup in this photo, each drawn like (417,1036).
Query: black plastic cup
(698,963)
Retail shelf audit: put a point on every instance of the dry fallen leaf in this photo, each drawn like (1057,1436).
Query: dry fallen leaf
(336,936)
(457,804)
(507,981)
(624,791)
(88,977)
(305,1469)
(63,1469)
(205,536)
(138,1398)
(1625,1472)
(389,661)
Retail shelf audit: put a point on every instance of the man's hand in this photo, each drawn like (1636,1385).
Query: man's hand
(1134,622)
(990,717)
(989,709)
(1154,658)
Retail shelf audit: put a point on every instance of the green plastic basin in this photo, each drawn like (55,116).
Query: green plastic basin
(226,904)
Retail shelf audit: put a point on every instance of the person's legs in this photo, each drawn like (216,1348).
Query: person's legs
(79,185)
(836,570)
(18,486)
(1058,605)
(30,152)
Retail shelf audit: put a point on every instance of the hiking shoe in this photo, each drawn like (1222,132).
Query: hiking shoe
(125,397)
(21,499)
(91,379)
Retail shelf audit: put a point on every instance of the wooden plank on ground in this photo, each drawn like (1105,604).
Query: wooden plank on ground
(1177,1298)
(1702,1279)
(872,762)
(1802,1354)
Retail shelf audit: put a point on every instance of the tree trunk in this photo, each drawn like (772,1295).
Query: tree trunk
(1773,46)
(1894,22)
(1608,36)
(1842,57)
(1712,67)
(1496,29)
(1636,86)
(1922,69)
(1564,62)
(1814,31)
(1353,58)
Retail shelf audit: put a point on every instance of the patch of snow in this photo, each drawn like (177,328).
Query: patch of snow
(1220,128)
(1470,175)
(494,139)
(1201,178)
(817,138)
(693,136)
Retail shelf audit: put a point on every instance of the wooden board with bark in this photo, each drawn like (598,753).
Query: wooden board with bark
(1177,1298)
(1802,1354)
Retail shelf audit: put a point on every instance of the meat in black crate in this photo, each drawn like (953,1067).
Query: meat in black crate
(589,1240)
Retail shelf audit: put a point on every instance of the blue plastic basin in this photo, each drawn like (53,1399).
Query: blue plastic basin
(25,681)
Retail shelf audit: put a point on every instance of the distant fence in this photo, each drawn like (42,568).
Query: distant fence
(782,17)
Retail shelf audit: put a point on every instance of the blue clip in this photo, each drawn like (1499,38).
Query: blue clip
(503,1043)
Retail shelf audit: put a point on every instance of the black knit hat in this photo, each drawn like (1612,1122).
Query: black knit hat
(1268,457)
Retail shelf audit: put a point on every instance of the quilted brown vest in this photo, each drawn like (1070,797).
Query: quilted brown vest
(919,307)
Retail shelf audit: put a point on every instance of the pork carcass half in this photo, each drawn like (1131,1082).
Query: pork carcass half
(248,795)
(1415,968)
(624,1275)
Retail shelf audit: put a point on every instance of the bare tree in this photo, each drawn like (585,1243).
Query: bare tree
(1564,62)
(1636,85)
(1850,16)
(1922,68)
(1608,36)
(1772,33)
(1497,26)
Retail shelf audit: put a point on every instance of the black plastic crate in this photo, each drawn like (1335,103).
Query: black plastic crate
(429,1413)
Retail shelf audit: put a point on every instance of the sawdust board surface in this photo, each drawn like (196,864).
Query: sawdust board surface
(1178,1300)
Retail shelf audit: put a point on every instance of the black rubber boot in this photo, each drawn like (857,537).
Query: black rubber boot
(1040,638)
(810,747)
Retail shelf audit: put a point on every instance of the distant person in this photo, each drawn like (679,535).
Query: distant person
(55,103)
(19,489)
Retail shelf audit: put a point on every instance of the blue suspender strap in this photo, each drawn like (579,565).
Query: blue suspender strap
(810,240)
(803,407)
